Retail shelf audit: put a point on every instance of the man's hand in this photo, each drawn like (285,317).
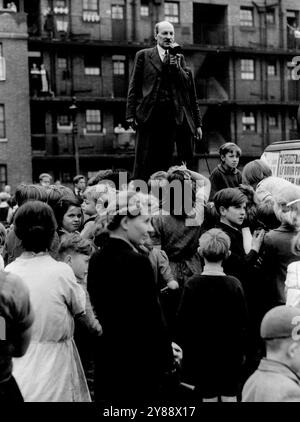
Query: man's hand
(132,123)
(199,133)
(174,60)
(177,352)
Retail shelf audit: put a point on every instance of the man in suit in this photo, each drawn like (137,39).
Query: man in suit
(162,106)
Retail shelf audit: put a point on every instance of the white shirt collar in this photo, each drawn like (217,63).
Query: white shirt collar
(161,52)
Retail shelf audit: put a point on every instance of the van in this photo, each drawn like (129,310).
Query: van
(284,159)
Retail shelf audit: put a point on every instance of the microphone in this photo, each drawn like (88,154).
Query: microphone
(175,49)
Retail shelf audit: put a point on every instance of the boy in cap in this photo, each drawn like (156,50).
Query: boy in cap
(277,379)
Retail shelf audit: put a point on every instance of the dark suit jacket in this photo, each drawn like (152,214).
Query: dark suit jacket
(134,350)
(144,86)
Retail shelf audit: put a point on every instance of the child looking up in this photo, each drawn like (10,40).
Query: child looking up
(226,174)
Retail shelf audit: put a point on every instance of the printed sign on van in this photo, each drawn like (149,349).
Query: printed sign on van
(289,166)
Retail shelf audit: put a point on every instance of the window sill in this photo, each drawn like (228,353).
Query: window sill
(3,140)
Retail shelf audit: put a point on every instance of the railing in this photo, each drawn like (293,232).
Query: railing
(62,144)
(78,27)
(79,84)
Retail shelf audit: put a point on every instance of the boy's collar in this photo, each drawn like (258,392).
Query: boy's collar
(227,170)
(229,225)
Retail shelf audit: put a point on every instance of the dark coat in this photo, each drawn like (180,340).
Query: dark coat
(134,350)
(144,86)
(212,322)
(221,178)
(277,255)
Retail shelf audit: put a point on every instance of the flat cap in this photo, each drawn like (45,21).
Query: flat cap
(281,322)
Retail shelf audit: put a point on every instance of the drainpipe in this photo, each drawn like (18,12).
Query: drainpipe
(133,23)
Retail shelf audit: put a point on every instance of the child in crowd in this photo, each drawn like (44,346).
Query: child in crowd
(226,174)
(254,172)
(13,246)
(164,278)
(76,252)
(278,244)
(6,212)
(95,199)
(213,304)
(68,215)
(292,282)
(90,197)
(231,206)
(2,241)
(51,370)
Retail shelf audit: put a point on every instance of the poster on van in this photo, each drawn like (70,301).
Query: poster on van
(289,166)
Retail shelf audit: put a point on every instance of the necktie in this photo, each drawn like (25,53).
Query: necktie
(166,57)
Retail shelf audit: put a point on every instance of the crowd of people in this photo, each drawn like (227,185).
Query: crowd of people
(186,287)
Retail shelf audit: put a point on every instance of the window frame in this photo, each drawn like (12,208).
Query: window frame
(2,122)
(170,16)
(3,182)
(272,10)
(86,6)
(2,64)
(271,116)
(246,23)
(92,69)
(249,125)
(89,122)
(271,64)
(247,71)
(114,8)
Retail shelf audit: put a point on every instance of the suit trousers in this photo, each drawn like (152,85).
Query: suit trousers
(155,142)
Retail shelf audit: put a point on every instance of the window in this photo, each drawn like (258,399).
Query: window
(248,121)
(93,121)
(246,16)
(2,65)
(119,67)
(64,119)
(117,12)
(144,10)
(3,175)
(60,7)
(90,5)
(62,63)
(60,3)
(273,120)
(172,11)
(271,68)
(92,66)
(247,69)
(270,17)
(90,11)
(2,122)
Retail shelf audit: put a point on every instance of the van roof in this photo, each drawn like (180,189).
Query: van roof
(283,145)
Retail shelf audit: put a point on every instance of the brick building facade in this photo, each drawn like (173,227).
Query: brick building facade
(15,139)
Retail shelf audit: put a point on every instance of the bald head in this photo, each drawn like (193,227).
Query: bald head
(164,34)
